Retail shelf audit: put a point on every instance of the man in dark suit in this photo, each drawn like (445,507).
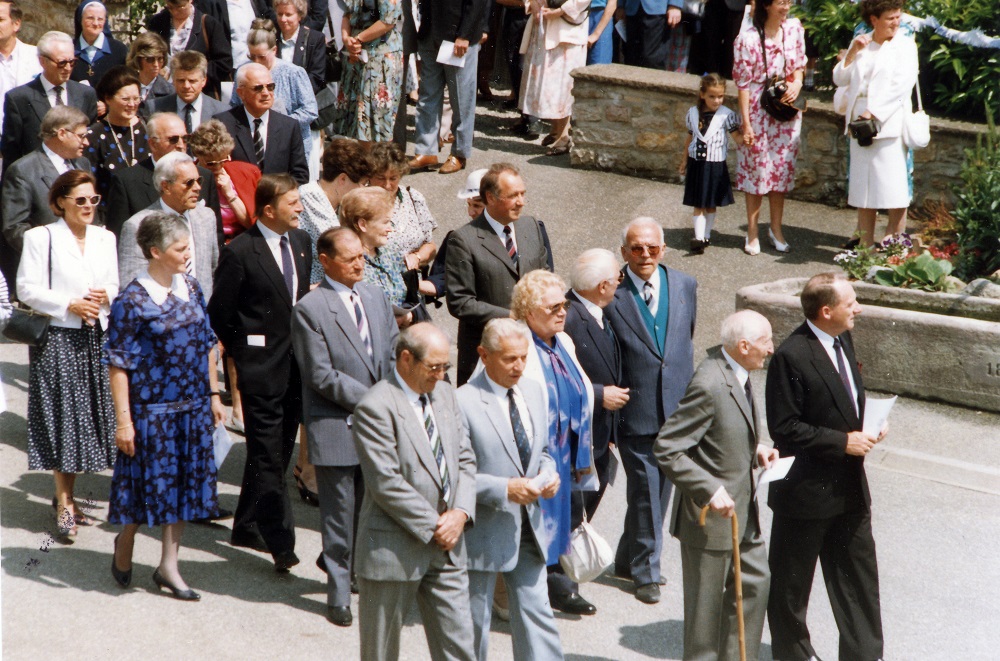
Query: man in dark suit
(487,257)
(189,74)
(261,274)
(132,189)
(306,47)
(595,280)
(343,335)
(268,139)
(653,317)
(709,448)
(822,509)
(25,106)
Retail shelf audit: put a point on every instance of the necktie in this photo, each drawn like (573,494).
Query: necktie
(258,144)
(69,164)
(189,124)
(647,294)
(509,244)
(520,435)
(59,90)
(287,269)
(359,316)
(748,391)
(838,348)
(435,440)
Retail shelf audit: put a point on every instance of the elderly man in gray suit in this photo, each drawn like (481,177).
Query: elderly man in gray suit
(652,316)
(709,448)
(177,179)
(420,494)
(508,428)
(343,334)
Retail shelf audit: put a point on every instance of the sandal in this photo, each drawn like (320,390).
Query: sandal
(79,519)
(308,496)
(559,149)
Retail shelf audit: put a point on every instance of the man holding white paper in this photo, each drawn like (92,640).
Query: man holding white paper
(709,448)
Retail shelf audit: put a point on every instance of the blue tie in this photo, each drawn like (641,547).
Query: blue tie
(287,269)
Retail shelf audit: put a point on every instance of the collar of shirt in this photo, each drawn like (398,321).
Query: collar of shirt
(288,47)
(263,123)
(273,240)
(94,47)
(58,161)
(196,105)
(185,216)
(827,341)
(639,282)
(48,87)
(522,407)
(411,395)
(158,293)
(498,228)
(344,292)
(741,372)
(595,310)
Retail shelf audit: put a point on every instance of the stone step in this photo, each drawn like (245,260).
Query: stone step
(936,468)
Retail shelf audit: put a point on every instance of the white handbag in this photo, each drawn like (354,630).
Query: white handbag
(917,126)
(589,555)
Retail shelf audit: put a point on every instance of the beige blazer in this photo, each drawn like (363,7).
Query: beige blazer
(885,88)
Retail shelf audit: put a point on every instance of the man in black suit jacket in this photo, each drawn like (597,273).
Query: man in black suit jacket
(595,279)
(132,190)
(261,274)
(822,509)
(25,106)
(283,150)
(482,268)
(309,49)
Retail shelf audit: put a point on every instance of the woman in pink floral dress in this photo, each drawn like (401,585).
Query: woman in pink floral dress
(766,159)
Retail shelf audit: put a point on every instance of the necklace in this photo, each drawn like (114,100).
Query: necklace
(130,162)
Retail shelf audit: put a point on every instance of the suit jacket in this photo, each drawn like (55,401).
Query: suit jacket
(403,492)
(284,151)
(26,194)
(206,248)
(657,380)
(23,110)
(651,7)
(310,54)
(601,361)
(212,42)
(335,366)
(159,89)
(808,415)
(447,20)
(710,441)
(113,54)
(209,107)
(132,190)
(494,543)
(251,312)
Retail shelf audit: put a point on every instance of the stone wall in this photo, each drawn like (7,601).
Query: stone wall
(40,16)
(631,120)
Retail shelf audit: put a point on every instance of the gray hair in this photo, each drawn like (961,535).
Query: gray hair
(61,117)
(300,5)
(635,222)
(593,267)
(417,339)
(165,169)
(529,291)
(153,123)
(500,329)
(50,39)
(160,230)
(241,73)
(744,325)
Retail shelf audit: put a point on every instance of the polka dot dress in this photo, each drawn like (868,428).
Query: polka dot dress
(113,148)
(71,424)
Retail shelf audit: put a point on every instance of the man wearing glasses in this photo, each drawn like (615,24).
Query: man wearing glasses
(25,106)
(653,317)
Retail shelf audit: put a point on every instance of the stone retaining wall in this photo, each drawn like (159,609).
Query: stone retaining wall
(631,120)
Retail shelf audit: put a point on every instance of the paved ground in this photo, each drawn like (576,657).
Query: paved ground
(935,484)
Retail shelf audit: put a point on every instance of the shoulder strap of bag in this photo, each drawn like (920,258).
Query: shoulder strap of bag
(763,50)
(204,34)
(50,256)
(920,102)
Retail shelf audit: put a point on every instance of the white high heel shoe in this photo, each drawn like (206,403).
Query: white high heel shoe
(752,247)
(778,245)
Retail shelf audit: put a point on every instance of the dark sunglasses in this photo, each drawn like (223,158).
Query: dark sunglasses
(174,139)
(189,183)
(84,199)
(151,58)
(61,63)
(257,89)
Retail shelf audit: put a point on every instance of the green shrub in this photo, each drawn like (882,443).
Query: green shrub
(977,207)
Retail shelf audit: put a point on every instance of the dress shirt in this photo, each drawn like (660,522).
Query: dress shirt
(344,292)
(8,71)
(273,240)
(263,125)
(655,281)
(741,372)
(498,228)
(596,311)
(187,221)
(158,293)
(827,341)
(58,161)
(90,50)
(414,399)
(288,48)
(522,407)
(196,115)
(50,91)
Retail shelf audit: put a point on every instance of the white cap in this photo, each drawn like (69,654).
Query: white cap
(472,182)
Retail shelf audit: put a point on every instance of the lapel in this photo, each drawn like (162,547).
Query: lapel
(718,121)
(48,172)
(598,336)
(195,30)
(345,319)
(268,265)
(275,141)
(414,429)
(628,310)
(827,372)
(39,101)
(489,240)
(736,391)
(500,423)
(538,410)
(300,45)
(847,341)
(243,133)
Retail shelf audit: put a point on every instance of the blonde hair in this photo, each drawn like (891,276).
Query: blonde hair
(364,204)
(530,289)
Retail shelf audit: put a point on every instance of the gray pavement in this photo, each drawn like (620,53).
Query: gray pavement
(935,484)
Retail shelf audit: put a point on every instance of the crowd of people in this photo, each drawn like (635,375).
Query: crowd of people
(175,231)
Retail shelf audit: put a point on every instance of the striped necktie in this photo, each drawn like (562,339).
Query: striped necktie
(189,121)
(59,90)
(509,244)
(359,316)
(520,435)
(258,144)
(435,439)
(647,294)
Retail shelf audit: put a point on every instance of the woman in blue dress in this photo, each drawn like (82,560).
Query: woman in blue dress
(161,352)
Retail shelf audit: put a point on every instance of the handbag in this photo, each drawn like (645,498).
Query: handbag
(589,554)
(864,130)
(917,125)
(26,326)
(775,88)
(694,8)
(334,65)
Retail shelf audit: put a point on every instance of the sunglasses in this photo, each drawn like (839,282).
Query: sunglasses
(151,59)
(557,308)
(189,183)
(443,367)
(639,251)
(174,139)
(61,63)
(83,200)
(213,164)
(258,89)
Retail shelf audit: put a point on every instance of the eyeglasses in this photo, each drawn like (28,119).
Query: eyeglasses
(129,101)
(259,89)
(79,136)
(152,59)
(443,367)
(189,183)
(639,251)
(62,64)
(212,164)
(174,139)
(83,200)
(557,308)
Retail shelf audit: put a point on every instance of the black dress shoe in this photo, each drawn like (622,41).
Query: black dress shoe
(321,563)
(648,593)
(284,561)
(573,604)
(354,585)
(340,615)
(623,572)
(183,595)
(221,515)
(123,578)
(249,540)
(698,246)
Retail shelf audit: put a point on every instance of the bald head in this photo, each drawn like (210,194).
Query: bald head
(166,134)
(746,337)
(252,82)
(422,356)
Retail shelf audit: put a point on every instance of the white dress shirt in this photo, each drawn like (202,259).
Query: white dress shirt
(522,407)
(345,292)
(595,310)
(414,399)
(654,281)
(158,293)
(827,341)
(50,93)
(91,49)
(274,243)
(498,228)
(263,125)
(57,161)
(196,114)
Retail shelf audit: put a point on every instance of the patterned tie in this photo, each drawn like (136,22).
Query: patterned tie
(432,436)
(748,391)
(359,316)
(59,90)
(509,245)
(189,122)
(842,368)
(258,144)
(647,294)
(520,436)
(69,164)
(287,269)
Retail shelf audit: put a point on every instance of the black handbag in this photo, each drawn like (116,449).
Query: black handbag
(27,326)
(774,90)
(864,130)
(334,65)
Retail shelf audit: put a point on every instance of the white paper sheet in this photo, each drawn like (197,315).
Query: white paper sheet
(876,413)
(620,29)
(777,471)
(446,55)
(543,479)
(222,444)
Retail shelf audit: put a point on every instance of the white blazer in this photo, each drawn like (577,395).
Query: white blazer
(73,273)
(888,86)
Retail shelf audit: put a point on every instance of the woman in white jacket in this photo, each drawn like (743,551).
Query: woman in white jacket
(878,72)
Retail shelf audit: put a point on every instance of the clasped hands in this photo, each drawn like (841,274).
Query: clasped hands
(449,528)
(88,307)
(521,491)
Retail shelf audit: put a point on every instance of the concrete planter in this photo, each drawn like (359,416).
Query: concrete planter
(943,347)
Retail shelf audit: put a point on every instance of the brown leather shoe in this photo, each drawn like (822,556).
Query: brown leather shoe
(453,164)
(423,162)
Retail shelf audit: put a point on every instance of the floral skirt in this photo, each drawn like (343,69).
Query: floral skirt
(368,97)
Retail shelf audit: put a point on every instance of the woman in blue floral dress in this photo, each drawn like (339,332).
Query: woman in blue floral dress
(373,75)
(161,352)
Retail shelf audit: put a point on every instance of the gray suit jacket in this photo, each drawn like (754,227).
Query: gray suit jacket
(710,441)
(26,187)
(493,544)
(403,492)
(335,366)
(206,249)
(209,107)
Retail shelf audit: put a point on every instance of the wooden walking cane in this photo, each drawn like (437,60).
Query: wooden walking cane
(737,576)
